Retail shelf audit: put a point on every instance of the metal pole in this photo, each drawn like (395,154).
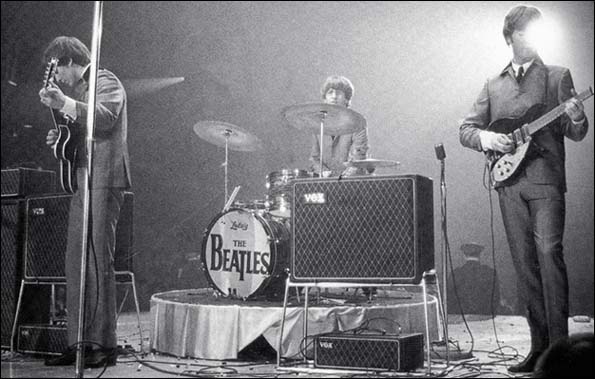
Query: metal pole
(95,50)
(443,240)
(323,114)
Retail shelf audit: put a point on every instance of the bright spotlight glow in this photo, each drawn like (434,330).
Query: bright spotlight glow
(544,36)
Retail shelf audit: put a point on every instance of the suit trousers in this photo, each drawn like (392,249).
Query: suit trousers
(533,216)
(100,286)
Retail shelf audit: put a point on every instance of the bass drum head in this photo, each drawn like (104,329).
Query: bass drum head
(240,253)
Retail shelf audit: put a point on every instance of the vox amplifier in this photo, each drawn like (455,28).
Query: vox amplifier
(42,339)
(369,352)
(20,182)
(376,229)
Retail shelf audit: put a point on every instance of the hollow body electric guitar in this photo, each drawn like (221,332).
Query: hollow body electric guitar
(519,130)
(66,146)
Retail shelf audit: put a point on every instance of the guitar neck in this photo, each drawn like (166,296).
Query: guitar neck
(53,112)
(555,113)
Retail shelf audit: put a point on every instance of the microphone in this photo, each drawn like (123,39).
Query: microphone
(440,153)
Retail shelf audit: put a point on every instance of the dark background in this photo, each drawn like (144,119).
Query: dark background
(416,67)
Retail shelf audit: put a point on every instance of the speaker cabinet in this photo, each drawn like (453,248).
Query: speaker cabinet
(21,182)
(42,339)
(12,214)
(376,229)
(46,232)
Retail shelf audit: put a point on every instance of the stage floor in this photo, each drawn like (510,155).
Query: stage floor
(512,332)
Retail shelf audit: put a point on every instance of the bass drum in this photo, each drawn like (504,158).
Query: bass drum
(245,255)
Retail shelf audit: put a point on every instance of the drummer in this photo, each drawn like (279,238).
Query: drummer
(338,90)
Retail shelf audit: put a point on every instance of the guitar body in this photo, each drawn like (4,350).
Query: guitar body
(66,151)
(504,166)
(66,146)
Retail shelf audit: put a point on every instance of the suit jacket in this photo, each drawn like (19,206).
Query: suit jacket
(339,149)
(111,162)
(503,97)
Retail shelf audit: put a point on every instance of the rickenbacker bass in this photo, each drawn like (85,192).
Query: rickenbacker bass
(66,147)
(519,130)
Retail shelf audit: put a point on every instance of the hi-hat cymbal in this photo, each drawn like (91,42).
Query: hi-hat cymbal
(371,163)
(216,132)
(338,120)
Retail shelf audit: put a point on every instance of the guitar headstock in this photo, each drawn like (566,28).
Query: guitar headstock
(50,71)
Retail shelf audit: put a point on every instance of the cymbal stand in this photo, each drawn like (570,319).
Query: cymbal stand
(227,134)
(322,118)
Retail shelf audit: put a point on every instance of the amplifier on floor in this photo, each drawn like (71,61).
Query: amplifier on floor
(42,339)
(21,182)
(369,352)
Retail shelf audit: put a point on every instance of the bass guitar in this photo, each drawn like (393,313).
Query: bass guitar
(519,130)
(66,146)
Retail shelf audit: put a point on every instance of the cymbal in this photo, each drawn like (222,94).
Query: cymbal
(216,132)
(338,120)
(371,163)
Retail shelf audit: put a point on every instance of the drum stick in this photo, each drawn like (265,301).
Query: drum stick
(231,198)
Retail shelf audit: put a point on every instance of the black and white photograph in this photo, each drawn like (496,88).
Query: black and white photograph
(316,189)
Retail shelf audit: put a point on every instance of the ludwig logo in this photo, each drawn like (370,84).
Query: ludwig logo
(314,198)
(235,225)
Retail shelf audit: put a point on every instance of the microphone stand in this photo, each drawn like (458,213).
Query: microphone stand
(441,155)
(443,240)
(97,26)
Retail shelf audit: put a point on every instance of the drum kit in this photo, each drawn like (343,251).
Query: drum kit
(245,250)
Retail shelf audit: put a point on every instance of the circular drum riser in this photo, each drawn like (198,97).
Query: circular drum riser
(245,255)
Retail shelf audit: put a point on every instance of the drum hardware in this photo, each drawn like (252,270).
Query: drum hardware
(278,185)
(227,135)
(330,119)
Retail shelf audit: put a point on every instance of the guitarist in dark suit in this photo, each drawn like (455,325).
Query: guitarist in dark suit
(110,178)
(532,201)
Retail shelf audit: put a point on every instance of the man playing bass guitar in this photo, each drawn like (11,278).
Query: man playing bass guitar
(532,201)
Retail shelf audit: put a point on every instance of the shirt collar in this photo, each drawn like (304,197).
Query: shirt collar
(513,70)
(526,66)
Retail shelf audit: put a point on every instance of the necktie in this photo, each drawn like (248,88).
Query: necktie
(520,74)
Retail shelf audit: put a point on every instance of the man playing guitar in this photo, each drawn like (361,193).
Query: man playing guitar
(532,201)
(110,177)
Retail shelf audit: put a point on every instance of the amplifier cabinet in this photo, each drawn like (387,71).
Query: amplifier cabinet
(375,229)
(20,182)
(42,339)
(369,352)
(46,232)
(12,234)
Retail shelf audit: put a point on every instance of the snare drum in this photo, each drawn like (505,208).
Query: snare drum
(278,184)
(244,254)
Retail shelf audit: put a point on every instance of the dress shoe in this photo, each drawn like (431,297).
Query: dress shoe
(67,358)
(101,358)
(528,364)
